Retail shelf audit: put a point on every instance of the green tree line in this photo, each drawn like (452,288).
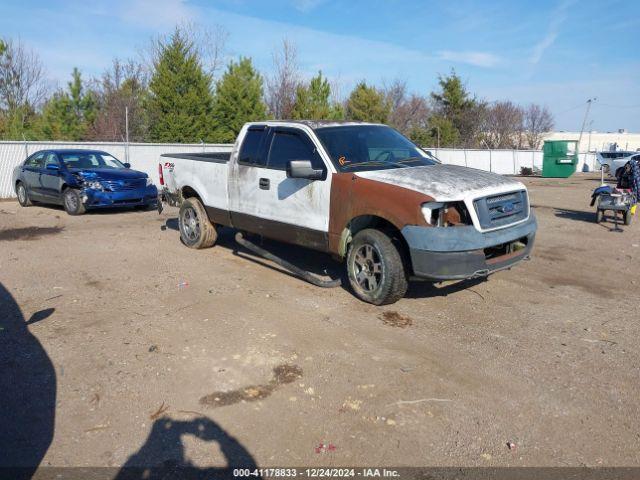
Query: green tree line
(175,97)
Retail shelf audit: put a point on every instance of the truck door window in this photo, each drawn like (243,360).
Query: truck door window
(250,149)
(286,146)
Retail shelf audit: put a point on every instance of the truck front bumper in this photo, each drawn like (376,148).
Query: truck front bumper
(455,253)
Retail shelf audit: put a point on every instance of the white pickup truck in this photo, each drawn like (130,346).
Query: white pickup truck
(360,191)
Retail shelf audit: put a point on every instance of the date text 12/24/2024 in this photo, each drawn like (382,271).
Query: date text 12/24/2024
(316,472)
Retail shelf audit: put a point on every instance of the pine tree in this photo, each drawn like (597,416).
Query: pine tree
(454,105)
(180,100)
(440,132)
(238,99)
(68,114)
(367,104)
(312,101)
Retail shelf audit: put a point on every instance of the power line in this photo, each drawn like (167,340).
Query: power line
(617,106)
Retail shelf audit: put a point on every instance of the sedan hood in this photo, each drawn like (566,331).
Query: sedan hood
(446,182)
(108,173)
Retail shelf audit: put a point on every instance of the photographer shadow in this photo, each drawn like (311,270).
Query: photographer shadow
(163,454)
(27,391)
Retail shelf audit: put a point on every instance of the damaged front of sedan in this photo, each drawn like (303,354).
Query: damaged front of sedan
(82,180)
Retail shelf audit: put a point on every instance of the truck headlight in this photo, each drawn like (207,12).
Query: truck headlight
(450,214)
(149,182)
(431,212)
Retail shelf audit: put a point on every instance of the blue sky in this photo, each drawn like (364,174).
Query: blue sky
(554,52)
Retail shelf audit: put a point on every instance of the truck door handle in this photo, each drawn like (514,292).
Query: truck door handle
(264,184)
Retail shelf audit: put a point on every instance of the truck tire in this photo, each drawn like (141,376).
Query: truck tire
(23,195)
(72,202)
(375,268)
(196,231)
(627,217)
(599,215)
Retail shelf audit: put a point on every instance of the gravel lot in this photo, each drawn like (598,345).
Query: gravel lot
(142,351)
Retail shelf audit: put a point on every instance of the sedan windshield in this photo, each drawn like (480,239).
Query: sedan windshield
(356,148)
(90,160)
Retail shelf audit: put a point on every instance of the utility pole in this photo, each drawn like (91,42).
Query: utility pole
(584,122)
(490,159)
(126,129)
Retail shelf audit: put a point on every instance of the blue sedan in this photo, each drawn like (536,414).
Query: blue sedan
(81,180)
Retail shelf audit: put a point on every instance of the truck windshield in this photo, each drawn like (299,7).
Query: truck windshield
(90,160)
(356,148)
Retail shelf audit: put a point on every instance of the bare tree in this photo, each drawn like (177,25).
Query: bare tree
(408,112)
(503,127)
(213,42)
(209,43)
(537,121)
(281,87)
(23,86)
(121,87)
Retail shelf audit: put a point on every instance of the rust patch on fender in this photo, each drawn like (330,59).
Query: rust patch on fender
(353,196)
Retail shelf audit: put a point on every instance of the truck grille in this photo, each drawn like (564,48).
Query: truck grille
(123,185)
(502,210)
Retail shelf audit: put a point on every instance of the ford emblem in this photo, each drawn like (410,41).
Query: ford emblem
(507,208)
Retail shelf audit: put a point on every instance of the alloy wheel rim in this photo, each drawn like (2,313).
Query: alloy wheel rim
(190,224)
(71,201)
(22,194)
(368,268)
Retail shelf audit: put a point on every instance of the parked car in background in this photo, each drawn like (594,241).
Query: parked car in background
(81,180)
(613,162)
(361,192)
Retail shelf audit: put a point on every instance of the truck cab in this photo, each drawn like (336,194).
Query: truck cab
(361,192)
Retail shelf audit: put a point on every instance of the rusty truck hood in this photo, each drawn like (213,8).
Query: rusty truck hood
(445,182)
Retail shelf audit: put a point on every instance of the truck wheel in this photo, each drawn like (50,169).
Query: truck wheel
(72,202)
(23,196)
(196,231)
(599,215)
(627,217)
(375,268)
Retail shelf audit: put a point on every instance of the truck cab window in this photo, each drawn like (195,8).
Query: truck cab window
(286,146)
(250,150)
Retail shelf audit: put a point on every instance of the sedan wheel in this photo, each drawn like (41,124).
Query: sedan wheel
(72,203)
(23,197)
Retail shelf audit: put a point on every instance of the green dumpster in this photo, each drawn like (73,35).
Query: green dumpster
(559,158)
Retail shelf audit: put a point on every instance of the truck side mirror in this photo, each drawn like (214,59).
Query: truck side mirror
(303,169)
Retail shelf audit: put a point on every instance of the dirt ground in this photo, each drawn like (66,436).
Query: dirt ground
(160,353)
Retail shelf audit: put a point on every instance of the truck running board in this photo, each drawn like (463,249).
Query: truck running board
(298,272)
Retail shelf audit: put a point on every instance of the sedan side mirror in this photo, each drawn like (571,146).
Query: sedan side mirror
(303,169)
(127,165)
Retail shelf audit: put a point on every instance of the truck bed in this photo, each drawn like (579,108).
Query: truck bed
(216,157)
(204,174)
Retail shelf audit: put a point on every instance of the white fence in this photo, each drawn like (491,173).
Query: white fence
(505,162)
(142,156)
(145,156)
